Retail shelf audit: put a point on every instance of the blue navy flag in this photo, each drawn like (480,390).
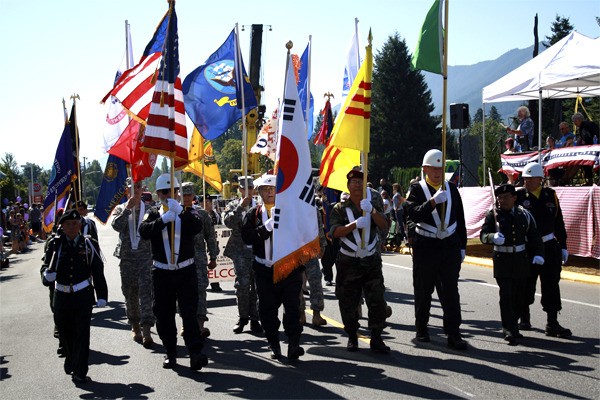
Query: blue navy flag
(210,92)
(113,188)
(303,89)
(63,173)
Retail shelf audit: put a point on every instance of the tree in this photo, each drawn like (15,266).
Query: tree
(495,115)
(13,184)
(560,28)
(402,129)
(494,141)
(230,157)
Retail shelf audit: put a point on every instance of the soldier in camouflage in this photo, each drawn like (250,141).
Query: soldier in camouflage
(206,239)
(135,266)
(314,278)
(241,255)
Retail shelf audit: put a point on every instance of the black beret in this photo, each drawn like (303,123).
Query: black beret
(79,203)
(69,215)
(505,188)
(355,174)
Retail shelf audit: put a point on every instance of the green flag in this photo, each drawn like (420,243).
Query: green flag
(428,55)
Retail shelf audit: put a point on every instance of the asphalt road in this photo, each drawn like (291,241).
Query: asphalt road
(239,365)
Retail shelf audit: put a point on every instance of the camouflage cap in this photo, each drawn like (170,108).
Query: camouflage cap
(187,188)
(246,182)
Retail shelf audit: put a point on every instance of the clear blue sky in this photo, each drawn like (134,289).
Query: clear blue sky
(53,49)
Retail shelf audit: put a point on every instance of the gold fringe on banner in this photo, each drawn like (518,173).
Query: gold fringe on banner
(284,267)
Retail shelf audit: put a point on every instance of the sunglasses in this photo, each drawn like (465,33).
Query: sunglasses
(164,191)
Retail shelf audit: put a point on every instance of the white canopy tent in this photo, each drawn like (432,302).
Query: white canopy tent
(568,69)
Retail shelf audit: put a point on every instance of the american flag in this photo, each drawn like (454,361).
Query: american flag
(151,93)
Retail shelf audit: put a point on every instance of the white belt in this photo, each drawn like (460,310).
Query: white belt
(72,288)
(263,261)
(173,267)
(510,249)
(547,237)
(359,253)
(439,235)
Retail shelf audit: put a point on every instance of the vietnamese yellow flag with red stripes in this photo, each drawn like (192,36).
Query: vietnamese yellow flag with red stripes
(202,161)
(352,129)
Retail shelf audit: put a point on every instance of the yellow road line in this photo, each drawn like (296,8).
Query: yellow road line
(337,324)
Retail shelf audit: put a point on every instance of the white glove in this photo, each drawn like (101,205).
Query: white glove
(169,216)
(565,256)
(174,206)
(270,224)
(463,253)
(366,206)
(539,260)
(498,239)
(49,276)
(440,197)
(101,303)
(361,222)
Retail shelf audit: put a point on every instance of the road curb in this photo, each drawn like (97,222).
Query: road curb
(566,275)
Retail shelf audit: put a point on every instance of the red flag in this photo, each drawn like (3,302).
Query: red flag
(326,125)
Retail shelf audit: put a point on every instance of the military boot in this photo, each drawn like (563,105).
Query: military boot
(317,320)
(275,348)
(147,341)
(204,332)
(294,349)
(136,332)
(170,360)
(525,323)
(554,329)
(352,342)
(377,344)
(239,326)
(255,326)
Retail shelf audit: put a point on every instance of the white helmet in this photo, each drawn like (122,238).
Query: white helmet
(433,158)
(266,180)
(164,182)
(533,170)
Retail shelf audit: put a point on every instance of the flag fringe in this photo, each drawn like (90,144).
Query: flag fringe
(284,267)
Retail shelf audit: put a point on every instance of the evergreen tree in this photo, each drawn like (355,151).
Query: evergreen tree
(402,129)
(495,115)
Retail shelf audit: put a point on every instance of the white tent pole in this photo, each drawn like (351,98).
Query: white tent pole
(484,174)
(540,128)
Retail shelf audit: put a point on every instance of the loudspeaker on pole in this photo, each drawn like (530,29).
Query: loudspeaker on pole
(459,116)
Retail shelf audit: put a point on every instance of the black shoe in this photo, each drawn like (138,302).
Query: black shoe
(423,337)
(275,351)
(456,342)
(169,362)
(329,283)
(295,351)
(352,343)
(239,327)
(255,326)
(377,344)
(510,337)
(558,331)
(518,335)
(525,325)
(197,361)
(215,287)
(79,379)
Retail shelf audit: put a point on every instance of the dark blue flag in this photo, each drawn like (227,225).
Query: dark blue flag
(113,188)
(210,92)
(303,89)
(63,173)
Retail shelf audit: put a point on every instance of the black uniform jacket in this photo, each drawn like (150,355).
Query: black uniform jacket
(420,209)
(152,227)
(518,228)
(74,265)
(254,232)
(547,213)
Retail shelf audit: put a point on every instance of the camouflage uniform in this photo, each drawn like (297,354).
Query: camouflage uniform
(242,257)
(136,270)
(207,239)
(314,275)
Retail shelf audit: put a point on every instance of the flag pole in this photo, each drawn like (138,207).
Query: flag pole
(445,105)
(308,84)
(239,76)
(365,155)
(172,158)
(75,97)
(65,111)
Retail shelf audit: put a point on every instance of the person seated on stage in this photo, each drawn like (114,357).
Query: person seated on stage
(550,143)
(567,138)
(586,131)
(509,144)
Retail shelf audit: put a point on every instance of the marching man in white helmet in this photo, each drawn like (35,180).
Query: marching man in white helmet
(435,207)
(174,281)
(543,204)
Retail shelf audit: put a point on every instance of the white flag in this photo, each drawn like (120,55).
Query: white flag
(296,231)
(266,141)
